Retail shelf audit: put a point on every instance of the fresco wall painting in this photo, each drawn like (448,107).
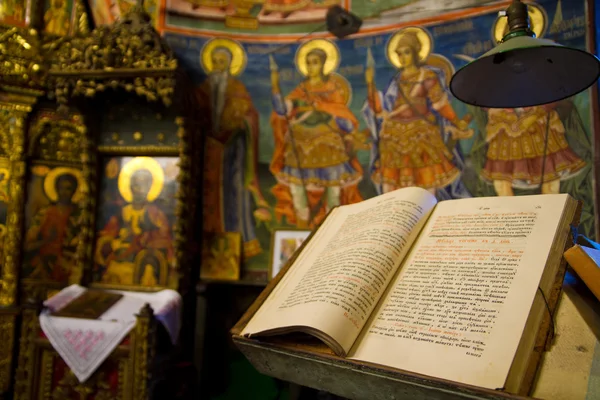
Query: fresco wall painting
(302,125)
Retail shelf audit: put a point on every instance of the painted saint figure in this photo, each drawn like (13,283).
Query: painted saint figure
(12,10)
(57,18)
(515,152)
(315,136)
(140,234)
(233,201)
(51,238)
(515,139)
(413,122)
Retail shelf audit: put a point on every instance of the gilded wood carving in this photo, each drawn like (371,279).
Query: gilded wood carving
(7,340)
(49,162)
(129,55)
(12,135)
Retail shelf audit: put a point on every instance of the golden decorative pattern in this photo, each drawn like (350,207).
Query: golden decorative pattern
(81,18)
(21,60)
(129,54)
(138,136)
(52,137)
(144,344)
(26,360)
(85,247)
(140,150)
(12,136)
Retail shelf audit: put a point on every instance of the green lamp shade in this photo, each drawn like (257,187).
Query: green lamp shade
(524,71)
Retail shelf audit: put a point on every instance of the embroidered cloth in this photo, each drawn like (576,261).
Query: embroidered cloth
(84,344)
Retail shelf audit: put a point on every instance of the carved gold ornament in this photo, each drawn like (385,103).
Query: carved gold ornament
(21,60)
(424,41)
(333,55)
(230,47)
(141,163)
(129,54)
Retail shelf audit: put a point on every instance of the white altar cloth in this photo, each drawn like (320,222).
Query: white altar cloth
(84,344)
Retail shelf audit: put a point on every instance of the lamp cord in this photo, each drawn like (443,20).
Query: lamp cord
(545,151)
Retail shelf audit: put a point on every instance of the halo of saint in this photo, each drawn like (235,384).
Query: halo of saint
(422,36)
(330,66)
(232,48)
(136,164)
(54,174)
(333,55)
(537,18)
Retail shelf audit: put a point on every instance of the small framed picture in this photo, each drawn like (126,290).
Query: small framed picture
(284,243)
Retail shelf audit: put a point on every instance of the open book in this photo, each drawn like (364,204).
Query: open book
(446,289)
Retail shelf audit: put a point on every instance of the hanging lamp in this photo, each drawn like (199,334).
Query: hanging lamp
(524,71)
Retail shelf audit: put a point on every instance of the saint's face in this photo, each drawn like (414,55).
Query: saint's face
(65,189)
(406,56)
(57,3)
(314,66)
(141,181)
(220,62)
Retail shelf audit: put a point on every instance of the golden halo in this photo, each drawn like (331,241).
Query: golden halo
(422,35)
(137,163)
(238,55)
(333,55)
(537,18)
(52,176)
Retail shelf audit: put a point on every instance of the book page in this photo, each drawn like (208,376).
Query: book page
(458,306)
(339,277)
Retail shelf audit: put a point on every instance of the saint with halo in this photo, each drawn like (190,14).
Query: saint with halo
(509,152)
(138,239)
(316,136)
(233,201)
(414,126)
(51,238)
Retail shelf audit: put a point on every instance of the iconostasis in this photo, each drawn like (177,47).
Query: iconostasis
(295,113)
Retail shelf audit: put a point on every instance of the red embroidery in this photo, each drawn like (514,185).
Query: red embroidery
(83,342)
